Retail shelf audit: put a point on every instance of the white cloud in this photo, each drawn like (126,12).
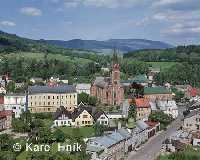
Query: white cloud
(166,2)
(103,3)
(31,11)
(8,23)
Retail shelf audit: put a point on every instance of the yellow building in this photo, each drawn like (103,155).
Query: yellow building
(143,109)
(48,99)
(82,117)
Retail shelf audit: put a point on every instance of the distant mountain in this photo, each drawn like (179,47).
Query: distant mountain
(124,45)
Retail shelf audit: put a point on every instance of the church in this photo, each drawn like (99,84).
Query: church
(109,90)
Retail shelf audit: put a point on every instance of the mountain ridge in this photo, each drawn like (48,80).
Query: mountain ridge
(124,45)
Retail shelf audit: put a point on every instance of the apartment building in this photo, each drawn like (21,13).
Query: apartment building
(48,99)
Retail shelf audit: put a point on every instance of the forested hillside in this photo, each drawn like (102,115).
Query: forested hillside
(179,54)
(23,58)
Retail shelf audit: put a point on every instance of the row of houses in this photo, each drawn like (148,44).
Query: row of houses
(82,116)
(117,144)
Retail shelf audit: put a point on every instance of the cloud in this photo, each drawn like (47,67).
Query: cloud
(31,11)
(103,3)
(8,23)
(177,5)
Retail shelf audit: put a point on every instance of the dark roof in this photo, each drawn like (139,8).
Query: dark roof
(97,114)
(60,111)
(102,81)
(55,89)
(192,113)
(78,111)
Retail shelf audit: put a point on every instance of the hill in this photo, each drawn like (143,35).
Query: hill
(124,45)
(189,53)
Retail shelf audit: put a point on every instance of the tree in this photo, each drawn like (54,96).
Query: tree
(132,112)
(98,129)
(59,135)
(83,97)
(10,86)
(161,117)
(92,100)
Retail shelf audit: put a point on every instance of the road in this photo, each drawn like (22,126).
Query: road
(150,150)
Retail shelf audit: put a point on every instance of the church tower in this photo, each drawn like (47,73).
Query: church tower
(115,69)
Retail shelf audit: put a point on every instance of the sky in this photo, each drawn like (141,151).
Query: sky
(174,21)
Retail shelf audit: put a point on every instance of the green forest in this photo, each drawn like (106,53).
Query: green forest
(23,58)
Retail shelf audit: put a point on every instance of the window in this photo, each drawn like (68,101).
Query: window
(74,96)
(49,97)
(57,97)
(48,103)
(82,122)
(62,97)
(85,116)
(53,97)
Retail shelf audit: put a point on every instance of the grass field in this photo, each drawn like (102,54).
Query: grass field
(162,65)
(83,131)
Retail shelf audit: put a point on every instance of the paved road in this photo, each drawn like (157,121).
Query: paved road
(151,149)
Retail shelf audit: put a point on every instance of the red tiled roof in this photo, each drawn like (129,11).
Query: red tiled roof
(142,103)
(6,113)
(193,91)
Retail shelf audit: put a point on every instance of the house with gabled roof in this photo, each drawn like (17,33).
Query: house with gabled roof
(82,116)
(62,117)
(101,118)
(143,108)
(112,146)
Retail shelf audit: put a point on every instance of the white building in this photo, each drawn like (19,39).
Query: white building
(101,118)
(62,117)
(168,107)
(83,88)
(16,103)
(2,90)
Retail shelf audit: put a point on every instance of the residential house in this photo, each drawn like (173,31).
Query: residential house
(196,138)
(168,107)
(153,128)
(140,133)
(192,92)
(191,121)
(83,88)
(62,117)
(47,99)
(16,103)
(109,90)
(82,116)
(101,118)
(157,93)
(113,146)
(2,90)
(5,119)
(143,108)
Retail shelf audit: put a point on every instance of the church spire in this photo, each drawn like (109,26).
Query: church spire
(115,57)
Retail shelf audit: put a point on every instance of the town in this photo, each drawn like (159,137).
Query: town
(114,118)
(99,80)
